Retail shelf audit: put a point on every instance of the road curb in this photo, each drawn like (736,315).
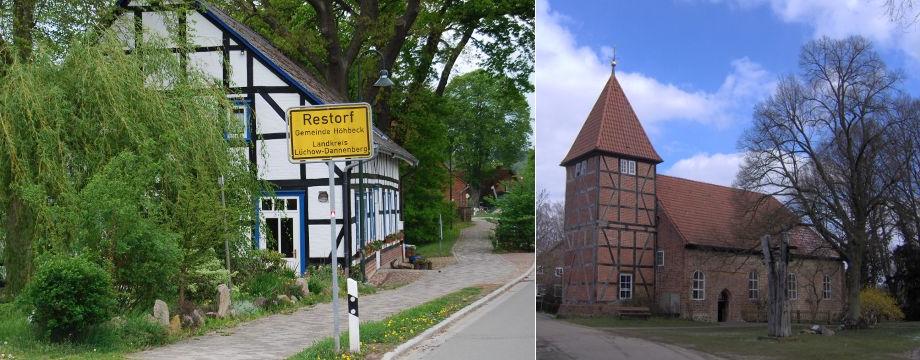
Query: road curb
(404,347)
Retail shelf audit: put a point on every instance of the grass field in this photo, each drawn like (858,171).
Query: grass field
(443,249)
(894,340)
(378,337)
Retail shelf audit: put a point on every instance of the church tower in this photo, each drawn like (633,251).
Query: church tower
(610,208)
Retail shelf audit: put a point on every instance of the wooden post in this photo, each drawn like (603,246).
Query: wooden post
(778,317)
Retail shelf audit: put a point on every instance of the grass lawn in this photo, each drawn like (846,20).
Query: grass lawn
(378,337)
(887,341)
(443,249)
(116,339)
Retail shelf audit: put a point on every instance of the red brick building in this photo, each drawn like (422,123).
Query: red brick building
(676,246)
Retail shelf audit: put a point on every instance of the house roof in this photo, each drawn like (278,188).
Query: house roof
(709,215)
(290,71)
(612,127)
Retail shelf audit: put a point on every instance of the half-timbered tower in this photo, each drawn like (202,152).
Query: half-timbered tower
(610,224)
(263,83)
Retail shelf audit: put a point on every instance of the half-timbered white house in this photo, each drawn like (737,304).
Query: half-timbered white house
(262,84)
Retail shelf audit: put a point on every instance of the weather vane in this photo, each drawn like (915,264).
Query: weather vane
(613,60)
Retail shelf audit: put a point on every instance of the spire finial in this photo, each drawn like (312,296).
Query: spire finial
(613,60)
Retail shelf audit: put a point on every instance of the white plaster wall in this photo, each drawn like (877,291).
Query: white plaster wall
(272,160)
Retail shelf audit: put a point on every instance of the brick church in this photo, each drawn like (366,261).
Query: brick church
(636,239)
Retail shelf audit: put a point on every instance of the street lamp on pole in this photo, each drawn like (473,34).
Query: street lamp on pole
(383,81)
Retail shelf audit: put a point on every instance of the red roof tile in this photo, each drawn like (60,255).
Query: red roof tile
(719,216)
(612,127)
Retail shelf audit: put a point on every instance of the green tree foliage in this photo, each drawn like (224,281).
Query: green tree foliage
(489,126)
(424,133)
(69,296)
(52,24)
(97,128)
(515,230)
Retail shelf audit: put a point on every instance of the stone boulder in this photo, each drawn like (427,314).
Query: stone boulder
(161,312)
(197,318)
(223,301)
(304,287)
(259,302)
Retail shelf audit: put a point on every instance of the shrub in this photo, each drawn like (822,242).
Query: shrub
(315,285)
(253,262)
(515,230)
(877,305)
(202,281)
(267,285)
(68,296)
(139,332)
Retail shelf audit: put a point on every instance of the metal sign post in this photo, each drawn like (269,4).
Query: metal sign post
(334,255)
(327,133)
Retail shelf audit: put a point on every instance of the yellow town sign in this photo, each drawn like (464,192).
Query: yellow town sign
(330,132)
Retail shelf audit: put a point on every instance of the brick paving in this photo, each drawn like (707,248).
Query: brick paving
(282,335)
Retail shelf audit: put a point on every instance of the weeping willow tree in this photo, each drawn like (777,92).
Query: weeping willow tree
(119,155)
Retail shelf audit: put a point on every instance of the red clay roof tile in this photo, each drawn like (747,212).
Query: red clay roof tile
(612,127)
(719,216)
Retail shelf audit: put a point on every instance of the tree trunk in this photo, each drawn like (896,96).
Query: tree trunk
(854,284)
(18,249)
(475,194)
(23,24)
(779,323)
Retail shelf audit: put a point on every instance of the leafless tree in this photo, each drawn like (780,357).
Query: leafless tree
(550,221)
(905,12)
(822,143)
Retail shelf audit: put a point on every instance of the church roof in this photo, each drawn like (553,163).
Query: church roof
(612,127)
(715,216)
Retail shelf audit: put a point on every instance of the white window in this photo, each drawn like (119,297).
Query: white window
(792,291)
(581,168)
(827,286)
(753,289)
(626,286)
(659,258)
(628,167)
(558,271)
(557,290)
(698,288)
(539,269)
(238,125)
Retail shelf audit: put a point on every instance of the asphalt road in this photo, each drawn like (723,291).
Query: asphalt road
(501,329)
(560,340)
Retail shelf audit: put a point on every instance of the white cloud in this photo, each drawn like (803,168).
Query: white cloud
(717,168)
(570,76)
(841,18)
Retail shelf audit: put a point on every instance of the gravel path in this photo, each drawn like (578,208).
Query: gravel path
(280,336)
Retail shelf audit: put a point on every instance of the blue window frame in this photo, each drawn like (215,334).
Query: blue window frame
(239,121)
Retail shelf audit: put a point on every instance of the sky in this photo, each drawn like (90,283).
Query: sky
(692,70)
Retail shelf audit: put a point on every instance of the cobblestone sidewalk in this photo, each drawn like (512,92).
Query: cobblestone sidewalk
(280,336)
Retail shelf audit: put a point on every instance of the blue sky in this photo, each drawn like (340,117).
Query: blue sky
(693,69)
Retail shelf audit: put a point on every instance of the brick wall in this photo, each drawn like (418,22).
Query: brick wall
(727,276)
(387,254)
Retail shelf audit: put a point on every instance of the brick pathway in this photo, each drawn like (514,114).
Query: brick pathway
(280,336)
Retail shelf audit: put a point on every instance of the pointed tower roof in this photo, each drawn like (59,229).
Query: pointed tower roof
(612,127)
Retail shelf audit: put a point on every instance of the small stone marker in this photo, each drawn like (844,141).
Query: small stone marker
(304,287)
(175,324)
(161,312)
(223,300)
